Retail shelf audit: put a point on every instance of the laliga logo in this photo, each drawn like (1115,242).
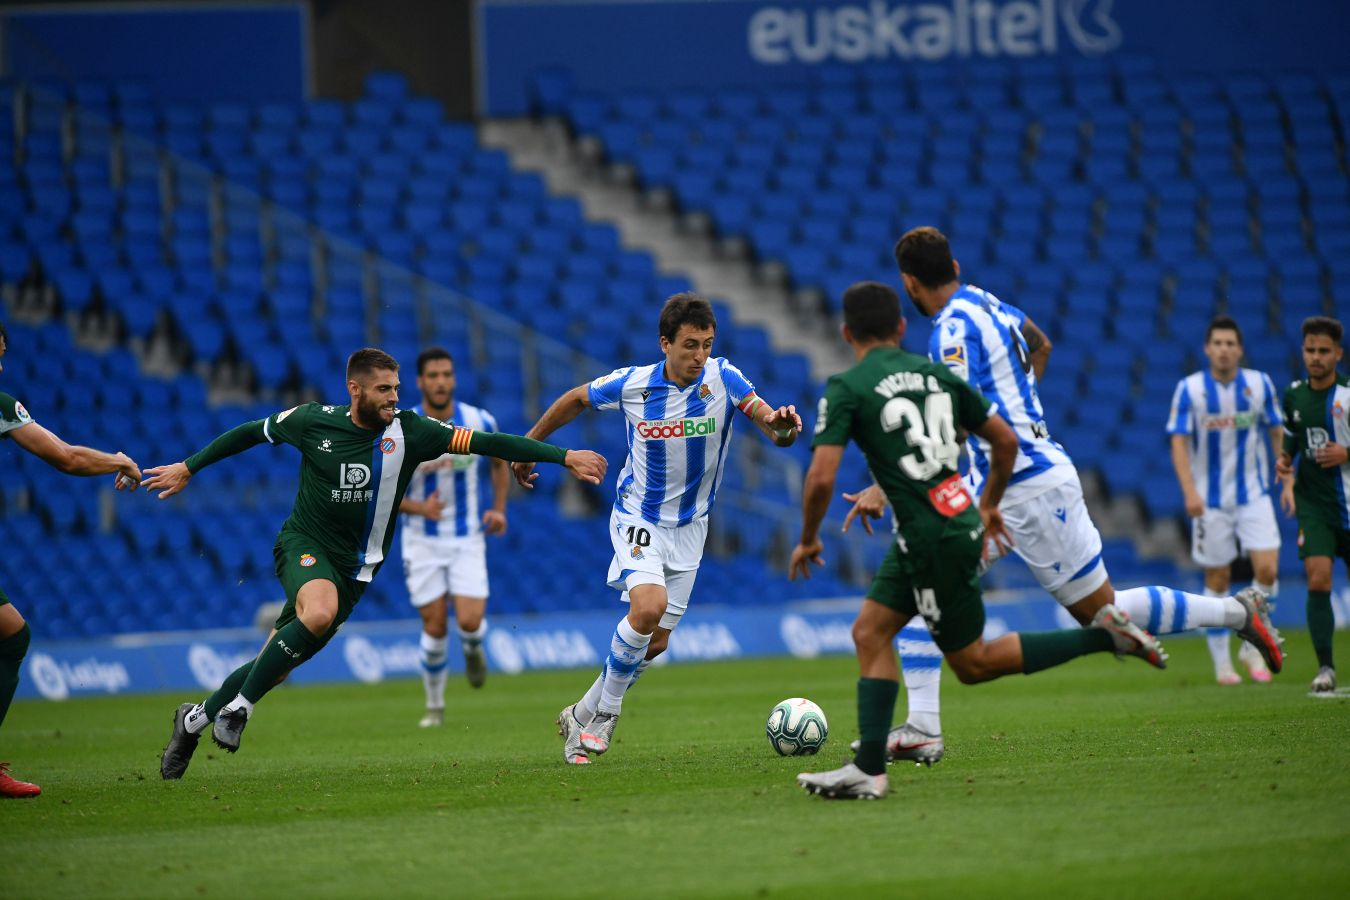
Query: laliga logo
(47,677)
(353,475)
(210,667)
(930,31)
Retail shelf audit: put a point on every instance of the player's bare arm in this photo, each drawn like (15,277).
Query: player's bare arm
(429,508)
(868,504)
(1038,347)
(76,460)
(1181,464)
(564,410)
(780,425)
(1002,454)
(494,520)
(816,493)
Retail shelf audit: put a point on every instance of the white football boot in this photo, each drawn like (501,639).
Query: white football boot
(596,736)
(571,729)
(846,783)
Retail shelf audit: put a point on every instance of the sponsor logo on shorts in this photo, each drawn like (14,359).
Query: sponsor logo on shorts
(636,553)
(388,445)
(949,497)
(672,429)
(307,560)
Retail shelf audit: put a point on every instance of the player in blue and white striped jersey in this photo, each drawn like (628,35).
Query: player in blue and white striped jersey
(678,414)
(997,348)
(1225,422)
(444,520)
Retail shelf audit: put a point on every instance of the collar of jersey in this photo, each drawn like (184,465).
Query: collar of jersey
(695,383)
(961,293)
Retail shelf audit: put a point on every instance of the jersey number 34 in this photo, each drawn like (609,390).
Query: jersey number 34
(931,433)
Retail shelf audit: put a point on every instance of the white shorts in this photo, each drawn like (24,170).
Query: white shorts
(1216,534)
(1054,534)
(656,554)
(455,566)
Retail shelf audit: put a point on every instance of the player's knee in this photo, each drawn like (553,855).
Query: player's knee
(867,638)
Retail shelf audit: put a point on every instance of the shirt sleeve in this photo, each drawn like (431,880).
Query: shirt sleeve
(1179,419)
(739,388)
(607,391)
(12,414)
(834,415)
(954,345)
(287,426)
(430,438)
(1271,410)
(1017,315)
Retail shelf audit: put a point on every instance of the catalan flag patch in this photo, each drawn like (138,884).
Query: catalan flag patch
(459,441)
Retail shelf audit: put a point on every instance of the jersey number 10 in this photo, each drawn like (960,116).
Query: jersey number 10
(931,433)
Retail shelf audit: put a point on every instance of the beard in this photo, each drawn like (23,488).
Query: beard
(370,410)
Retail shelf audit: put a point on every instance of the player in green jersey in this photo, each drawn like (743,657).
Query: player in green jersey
(1317,435)
(357,461)
(906,414)
(17,425)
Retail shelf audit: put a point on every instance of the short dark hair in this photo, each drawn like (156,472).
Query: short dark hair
(1223,323)
(1323,325)
(872,310)
(925,254)
(367,360)
(686,309)
(431,354)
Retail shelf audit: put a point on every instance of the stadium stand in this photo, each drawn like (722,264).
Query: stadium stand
(271,240)
(1120,208)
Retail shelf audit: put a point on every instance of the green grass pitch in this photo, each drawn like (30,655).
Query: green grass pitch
(1097,779)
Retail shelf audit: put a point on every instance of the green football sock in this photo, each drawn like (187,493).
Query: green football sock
(1321,625)
(228,690)
(1046,649)
(876,706)
(12,651)
(288,648)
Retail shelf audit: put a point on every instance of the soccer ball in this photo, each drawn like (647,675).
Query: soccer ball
(797,727)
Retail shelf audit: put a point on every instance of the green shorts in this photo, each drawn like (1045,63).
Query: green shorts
(299,560)
(1317,537)
(944,589)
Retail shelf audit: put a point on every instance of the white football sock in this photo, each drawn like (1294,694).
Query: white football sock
(1270,590)
(471,639)
(196,721)
(921,667)
(433,669)
(590,701)
(239,703)
(1162,610)
(627,649)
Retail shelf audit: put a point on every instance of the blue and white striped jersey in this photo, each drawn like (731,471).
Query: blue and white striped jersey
(1228,425)
(677,439)
(455,477)
(979,337)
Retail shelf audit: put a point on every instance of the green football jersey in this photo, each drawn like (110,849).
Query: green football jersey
(352,479)
(12,415)
(903,411)
(1312,419)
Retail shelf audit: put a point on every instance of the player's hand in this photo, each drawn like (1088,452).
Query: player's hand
(432,506)
(1329,456)
(996,531)
(524,473)
(785,425)
(128,474)
(494,522)
(168,480)
(868,504)
(803,555)
(586,465)
(1284,466)
(1195,507)
(1287,498)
